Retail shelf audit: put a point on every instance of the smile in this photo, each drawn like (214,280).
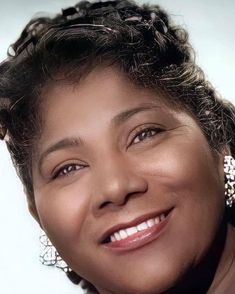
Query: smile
(139,234)
(124,233)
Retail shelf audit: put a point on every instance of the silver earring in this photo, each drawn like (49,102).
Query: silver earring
(229,172)
(49,255)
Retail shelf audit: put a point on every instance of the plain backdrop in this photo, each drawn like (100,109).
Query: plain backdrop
(211,26)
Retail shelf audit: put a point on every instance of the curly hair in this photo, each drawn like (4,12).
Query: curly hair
(141,40)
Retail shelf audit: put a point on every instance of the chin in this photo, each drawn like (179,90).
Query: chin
(139,287)
(147,281)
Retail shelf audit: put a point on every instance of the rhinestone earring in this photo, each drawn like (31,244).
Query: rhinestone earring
(49,255)
(229,172)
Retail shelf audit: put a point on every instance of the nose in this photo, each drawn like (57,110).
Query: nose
(116,182)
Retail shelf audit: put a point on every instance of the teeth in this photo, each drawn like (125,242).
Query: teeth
(131,231)
(124,233)
(117,236)
(142,226)
(157,220)
(150,223)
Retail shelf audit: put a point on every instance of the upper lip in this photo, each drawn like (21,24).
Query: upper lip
(132,223)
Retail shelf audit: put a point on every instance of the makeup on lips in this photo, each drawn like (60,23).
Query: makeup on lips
(138,234)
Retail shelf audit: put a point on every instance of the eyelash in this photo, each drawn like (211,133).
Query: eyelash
(71,167)
(149,132)
(67,169)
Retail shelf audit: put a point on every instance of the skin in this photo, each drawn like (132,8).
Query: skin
(122,175)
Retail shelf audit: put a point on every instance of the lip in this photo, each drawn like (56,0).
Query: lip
(141,238)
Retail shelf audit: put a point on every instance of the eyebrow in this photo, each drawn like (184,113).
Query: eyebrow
(120,118)
(125,115)
(60,145)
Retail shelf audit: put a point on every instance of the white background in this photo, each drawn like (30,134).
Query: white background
(211,25)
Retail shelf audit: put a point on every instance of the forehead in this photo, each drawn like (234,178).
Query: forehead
(100,86)
(94,101)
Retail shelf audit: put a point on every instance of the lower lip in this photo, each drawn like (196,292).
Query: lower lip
(141,238)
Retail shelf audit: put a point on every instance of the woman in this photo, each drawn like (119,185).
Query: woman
(124,150)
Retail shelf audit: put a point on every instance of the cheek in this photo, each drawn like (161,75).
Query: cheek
(186,166)
(188,178)
(62,213)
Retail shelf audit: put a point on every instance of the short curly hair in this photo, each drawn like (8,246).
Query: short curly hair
(140,39)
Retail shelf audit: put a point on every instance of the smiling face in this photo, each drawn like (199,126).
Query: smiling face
(114,160)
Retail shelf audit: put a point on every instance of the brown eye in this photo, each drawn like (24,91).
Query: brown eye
(67,170)
(145,134)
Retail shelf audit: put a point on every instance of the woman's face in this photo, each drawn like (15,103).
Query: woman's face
(126,188)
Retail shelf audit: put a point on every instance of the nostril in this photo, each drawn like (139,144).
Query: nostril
(119,201)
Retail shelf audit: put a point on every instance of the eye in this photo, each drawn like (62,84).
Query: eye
(67,170)
(145,133)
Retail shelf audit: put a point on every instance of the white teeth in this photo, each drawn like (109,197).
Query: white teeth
(150,223)
(131,231)
(142,226)
(117,236)
(124,233)
(157,220)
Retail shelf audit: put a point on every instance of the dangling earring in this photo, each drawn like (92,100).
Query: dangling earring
(229,172)
(49,255)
